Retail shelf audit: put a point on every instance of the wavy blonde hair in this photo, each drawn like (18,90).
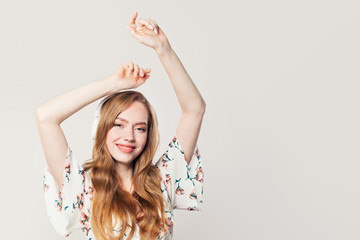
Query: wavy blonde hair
(146,204)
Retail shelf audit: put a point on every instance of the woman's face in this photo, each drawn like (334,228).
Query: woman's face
(127,138)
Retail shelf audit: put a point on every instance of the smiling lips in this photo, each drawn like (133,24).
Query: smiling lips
(125,148)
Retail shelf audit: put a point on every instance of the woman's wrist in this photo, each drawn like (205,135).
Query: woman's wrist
(163,49)
(112,85)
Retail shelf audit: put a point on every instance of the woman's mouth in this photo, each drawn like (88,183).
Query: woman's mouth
(125,148)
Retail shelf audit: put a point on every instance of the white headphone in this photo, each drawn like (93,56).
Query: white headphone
(97,118)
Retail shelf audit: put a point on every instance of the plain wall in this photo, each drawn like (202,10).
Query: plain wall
(280,138)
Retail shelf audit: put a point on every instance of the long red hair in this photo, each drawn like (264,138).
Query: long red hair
(110,202)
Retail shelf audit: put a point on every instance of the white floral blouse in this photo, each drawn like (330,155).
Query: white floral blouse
(70,209)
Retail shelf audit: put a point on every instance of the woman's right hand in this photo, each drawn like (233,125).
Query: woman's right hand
(129,75)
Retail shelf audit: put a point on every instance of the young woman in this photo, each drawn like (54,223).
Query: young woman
(120,193)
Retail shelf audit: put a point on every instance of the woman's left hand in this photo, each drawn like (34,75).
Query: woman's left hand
(148,33)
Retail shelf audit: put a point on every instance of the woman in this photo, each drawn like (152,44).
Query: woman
(119,193)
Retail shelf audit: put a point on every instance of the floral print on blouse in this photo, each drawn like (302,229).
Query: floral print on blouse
(69,208)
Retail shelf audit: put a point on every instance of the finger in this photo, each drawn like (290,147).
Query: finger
(145,78)
(142,73)
(136,70)
(133,32)
(142,80)
(123,67)
(146,23)
(131,67)
(147,71)
(133,18)
(154,24)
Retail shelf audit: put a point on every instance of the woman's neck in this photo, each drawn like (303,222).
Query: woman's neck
(125,173)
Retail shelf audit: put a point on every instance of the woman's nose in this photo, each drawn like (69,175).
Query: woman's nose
(129,135)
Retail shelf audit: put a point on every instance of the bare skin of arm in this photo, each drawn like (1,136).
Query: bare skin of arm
(147,32)
(52,113)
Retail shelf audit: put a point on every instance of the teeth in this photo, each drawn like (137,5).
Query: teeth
(126,147)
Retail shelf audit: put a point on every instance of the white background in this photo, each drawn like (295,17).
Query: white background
(280,138)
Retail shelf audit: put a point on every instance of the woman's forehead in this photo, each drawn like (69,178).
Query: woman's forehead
(135,113)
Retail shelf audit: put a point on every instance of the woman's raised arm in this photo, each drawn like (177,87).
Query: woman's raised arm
(192,104)
(52,113)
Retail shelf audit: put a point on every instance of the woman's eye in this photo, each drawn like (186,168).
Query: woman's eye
(118,125)
(141,129)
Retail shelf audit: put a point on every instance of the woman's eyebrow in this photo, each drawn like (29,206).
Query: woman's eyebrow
(124,120)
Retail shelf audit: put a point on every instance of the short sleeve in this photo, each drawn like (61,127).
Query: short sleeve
(181,184)
(65,208)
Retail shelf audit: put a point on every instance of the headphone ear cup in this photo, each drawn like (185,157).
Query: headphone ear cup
(94,127)
(96,118)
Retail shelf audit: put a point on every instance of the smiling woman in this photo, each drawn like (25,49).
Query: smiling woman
(120,193)
(128,136)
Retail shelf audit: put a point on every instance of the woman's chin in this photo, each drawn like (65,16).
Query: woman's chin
(124,159)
